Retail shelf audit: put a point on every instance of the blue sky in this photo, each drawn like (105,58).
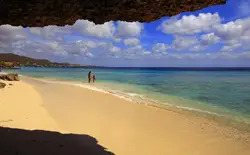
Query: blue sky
(214,36)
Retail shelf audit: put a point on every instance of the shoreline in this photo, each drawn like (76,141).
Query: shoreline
(211,116)
(122,127)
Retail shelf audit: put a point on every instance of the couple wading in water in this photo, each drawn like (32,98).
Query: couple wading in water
(90,77)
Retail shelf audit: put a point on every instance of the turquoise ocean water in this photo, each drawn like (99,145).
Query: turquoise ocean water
(221,92)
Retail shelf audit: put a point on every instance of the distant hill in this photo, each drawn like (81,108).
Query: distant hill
(9,60)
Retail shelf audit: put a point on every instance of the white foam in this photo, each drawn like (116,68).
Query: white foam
(198,110)
(133,94)
(90,87)
(87,86)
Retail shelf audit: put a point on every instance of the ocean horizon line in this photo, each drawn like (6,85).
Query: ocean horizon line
(159,68)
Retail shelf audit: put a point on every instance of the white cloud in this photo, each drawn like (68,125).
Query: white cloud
(197,48)
(7,29)
(160,47)
(230,48)
(246,35)
(190,24)
(129,29)
(131,42)
(117,40)
(183,42)
(107,41)
(134,52)
(88,28)
(51,45)
(146,53)
(48,32)
(107,30)
(210,57)
(114,49)
(38,49)
(205,41)
(85,47)
(208,39)
(11,33)
(233,30)
(35,30)
(88,54)
(234,34)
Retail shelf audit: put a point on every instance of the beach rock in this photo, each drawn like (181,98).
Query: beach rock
(2,85)
(10,77)
(64,12)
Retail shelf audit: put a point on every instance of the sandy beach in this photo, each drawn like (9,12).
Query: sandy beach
(123,127)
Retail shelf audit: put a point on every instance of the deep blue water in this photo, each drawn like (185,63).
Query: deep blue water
(218,90)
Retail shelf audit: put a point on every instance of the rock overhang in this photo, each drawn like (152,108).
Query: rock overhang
(40,13)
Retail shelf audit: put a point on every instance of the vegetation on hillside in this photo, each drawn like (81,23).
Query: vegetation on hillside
(9,60)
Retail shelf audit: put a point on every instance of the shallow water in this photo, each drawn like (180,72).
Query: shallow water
(216,91)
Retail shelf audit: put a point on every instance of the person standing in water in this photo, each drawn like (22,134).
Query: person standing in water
(94,78)
(89,76)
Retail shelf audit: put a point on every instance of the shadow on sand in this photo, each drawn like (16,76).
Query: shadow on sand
(38,142)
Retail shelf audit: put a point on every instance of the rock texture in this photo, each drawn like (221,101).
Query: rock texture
(2,85)
(39,13)
(9,77)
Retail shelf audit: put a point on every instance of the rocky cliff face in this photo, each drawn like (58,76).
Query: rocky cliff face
(34,13)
